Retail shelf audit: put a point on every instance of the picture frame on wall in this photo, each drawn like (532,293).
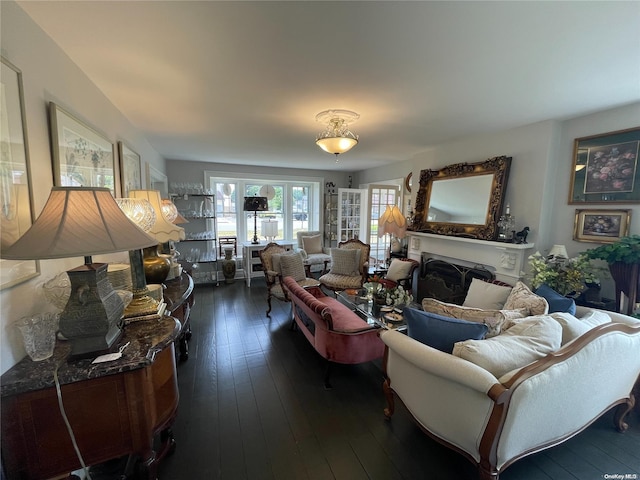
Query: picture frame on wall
(601,226)
(130,169)
(156,180)
(605,168)
(82,156)
(16,209)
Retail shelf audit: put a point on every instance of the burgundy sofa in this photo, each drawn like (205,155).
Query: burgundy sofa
(336,332)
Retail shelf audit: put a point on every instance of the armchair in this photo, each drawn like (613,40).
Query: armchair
(400,272)
(349,266)
(313,253)
(278,263)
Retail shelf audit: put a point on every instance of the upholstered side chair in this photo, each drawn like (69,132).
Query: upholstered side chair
(278,263)
(349,266)
(316,257)
(400,272)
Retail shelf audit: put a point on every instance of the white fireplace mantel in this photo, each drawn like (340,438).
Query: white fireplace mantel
(507,260)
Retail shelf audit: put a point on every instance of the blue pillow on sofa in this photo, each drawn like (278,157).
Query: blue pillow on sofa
(557,302)
(441,332)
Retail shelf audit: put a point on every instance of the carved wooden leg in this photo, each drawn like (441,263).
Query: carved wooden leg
(388,393)
(147,468)
(269,306)
(168,443)
(487,473)
(184,347)
(621,413)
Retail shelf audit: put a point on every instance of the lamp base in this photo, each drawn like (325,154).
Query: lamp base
(91,318)
(156,268)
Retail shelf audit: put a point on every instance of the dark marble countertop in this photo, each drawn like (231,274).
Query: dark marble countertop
(146,339)
(177,291)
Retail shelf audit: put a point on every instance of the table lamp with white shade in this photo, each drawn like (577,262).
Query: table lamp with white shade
(156,268)
(83,221)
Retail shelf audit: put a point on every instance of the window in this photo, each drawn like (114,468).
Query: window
(295,205)
(379,197)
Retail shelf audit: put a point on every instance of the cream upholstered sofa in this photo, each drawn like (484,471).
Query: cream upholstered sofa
(495,420)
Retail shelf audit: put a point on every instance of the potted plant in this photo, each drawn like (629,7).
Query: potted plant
(623,258)
(567,276)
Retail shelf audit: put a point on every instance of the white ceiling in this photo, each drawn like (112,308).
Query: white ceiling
(241,82)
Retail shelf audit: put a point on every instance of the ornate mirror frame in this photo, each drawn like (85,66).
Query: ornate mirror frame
(498,167)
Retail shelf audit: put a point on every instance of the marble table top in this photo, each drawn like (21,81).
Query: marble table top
(146,339)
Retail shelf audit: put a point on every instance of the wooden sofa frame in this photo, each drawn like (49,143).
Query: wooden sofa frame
(501,395)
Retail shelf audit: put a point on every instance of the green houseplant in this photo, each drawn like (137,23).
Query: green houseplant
(565,275)
(623,258)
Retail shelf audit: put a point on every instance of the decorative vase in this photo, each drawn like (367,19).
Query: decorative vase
(156,268)
(228,266)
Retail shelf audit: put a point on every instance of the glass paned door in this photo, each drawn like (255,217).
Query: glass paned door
(380,196)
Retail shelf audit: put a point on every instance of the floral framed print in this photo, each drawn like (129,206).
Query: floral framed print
(130,169)
(601,226)
(82,157)
(605,168)
(16,213)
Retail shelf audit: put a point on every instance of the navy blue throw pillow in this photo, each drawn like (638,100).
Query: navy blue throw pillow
(557,302)
(441,332)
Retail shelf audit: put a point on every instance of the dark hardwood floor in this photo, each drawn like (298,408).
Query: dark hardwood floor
(253,406)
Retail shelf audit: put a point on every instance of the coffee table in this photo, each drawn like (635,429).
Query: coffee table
(358,302)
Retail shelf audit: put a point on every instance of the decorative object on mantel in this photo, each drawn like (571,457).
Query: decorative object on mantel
(623,258)
(564,275)
(83,221)
(521,236)
(506,226)
(337,138)
(477,211)
(605,168)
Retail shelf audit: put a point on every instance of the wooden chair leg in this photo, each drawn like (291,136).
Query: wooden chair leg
(269,306)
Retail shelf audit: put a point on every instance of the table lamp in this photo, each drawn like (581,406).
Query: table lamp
(255,205)
(269,230)
(392,222)
(156,268)
(83,221)
(140,212)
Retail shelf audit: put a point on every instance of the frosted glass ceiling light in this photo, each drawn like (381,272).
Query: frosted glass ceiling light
(337,138)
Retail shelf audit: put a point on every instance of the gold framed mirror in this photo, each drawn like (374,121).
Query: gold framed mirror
(463,199)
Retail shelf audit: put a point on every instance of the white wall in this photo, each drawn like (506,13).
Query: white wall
(49,75)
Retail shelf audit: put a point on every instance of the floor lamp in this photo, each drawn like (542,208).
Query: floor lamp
(392,222)
(255,205)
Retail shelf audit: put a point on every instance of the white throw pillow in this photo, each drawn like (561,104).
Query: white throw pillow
(522,297)
(312,244)
(485,295)
(398,270)
(345,261)
(573,327)
(525,342)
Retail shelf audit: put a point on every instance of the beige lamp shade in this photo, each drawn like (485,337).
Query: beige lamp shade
(78,221)
(162,230)
(393,222)
(558,251)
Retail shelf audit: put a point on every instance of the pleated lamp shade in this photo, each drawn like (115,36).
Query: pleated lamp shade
(78,221)
(392,221)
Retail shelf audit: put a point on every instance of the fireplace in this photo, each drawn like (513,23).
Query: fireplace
(445,281)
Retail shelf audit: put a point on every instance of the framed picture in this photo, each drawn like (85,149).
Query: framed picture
(601,226)
(156,180)
(130,169)
(82,157)
(605,168)
(16,214)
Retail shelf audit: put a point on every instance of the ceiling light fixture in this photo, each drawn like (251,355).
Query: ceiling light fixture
(337,138)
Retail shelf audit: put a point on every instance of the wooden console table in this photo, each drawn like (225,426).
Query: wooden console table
(114,408)
(180,299)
